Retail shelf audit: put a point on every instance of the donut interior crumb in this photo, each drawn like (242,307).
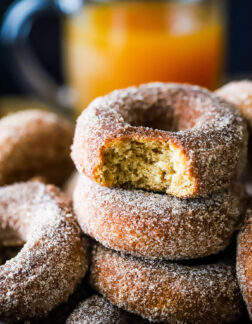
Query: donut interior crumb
(146,164)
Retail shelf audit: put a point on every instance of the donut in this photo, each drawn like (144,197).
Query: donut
(35,143)
(173,138)
(239,93)
(54,257)
(244,259)
(156,225)
(165,291)
(98,310)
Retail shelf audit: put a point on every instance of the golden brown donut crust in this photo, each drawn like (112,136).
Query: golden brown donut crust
(244,259)
(168,292)
(54,257)
(35,143)
(157,225)
(210,134)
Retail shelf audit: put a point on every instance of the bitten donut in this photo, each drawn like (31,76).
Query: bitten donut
(157,225)
(98,310)
(239,93)
(54,257)
(173,138)
(244,260)
(35,143)
(167,292)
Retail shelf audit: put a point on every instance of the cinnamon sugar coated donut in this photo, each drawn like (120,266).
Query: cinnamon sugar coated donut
(239,93)
(157,225)
(244,260)
(35,143)
(168,292)
(54,257)
(173,138)
(98,310)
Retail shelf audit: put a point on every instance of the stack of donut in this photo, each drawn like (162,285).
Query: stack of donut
(158,189)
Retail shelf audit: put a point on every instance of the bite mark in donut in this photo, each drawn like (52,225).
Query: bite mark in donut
(146,164)
(173,138)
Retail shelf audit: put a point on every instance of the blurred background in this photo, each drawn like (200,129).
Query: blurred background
(91,48)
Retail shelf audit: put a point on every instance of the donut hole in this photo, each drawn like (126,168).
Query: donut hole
(8,252)
(150,165)
(177,112)
(10,237)
(11,242)
(155,117)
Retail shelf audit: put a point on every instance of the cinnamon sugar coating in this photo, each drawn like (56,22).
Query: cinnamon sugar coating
(157,225)
(54,257)
(98,310)
(175,138)
(35,143)
(168,292)
(244,260)
(239,93)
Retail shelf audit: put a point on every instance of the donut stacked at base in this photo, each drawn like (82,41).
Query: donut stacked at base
(158,180)
(169,292)
(54,257)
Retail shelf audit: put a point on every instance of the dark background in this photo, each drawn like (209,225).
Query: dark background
(45,39)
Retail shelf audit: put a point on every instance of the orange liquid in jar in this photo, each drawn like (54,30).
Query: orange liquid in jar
(115,45)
